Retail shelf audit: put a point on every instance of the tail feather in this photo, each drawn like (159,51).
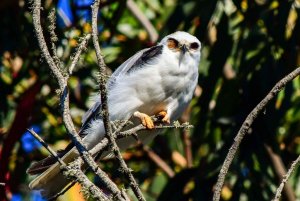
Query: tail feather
(42,165)
(51,181)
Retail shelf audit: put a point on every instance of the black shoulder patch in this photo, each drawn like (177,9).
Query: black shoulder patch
(146,57)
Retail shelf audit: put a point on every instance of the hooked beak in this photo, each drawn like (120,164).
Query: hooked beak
(183,50)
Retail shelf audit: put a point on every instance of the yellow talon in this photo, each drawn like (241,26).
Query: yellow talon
(145,119)
(164,116)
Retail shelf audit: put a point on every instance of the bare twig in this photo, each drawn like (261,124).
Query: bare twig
(51,151)
(245,127)
(71,172)
(286,177)
(159,161)
(2,184)
(64,100)
(104,105)
(80,48)
(118,134)
(41,41)
(280,170)
(140,16)
(53,36)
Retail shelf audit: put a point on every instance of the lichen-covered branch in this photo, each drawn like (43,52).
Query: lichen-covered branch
(64,101)
(81,47)
(280,170)
(245,127)
(105,109)
(286,177)
(72,171)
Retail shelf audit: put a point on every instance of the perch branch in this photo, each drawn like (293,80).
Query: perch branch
(103,92)
(245,127)
(286,177)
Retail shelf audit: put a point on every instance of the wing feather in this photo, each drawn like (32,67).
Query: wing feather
(135,62)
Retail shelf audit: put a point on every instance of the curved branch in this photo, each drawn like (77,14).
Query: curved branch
(245,127)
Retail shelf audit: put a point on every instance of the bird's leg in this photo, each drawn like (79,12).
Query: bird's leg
(145,119)
(164,116)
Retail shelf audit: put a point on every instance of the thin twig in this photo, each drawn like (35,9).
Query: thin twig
(245,127)
(41,41)
(286,177)
(103,93)
(2,184)
(51,151)
(80,48)
(280,170)
(70,172)
(53,36)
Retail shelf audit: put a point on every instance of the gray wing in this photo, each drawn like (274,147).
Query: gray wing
(124,67)
(135,62)
(91,113)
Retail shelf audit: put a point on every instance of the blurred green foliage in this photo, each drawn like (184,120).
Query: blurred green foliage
(247,46)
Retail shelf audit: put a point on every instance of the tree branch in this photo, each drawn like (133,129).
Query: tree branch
(104,105)
(286,177)
(80,48)
(64,101)
(245,127)
(280,170)
(72,171)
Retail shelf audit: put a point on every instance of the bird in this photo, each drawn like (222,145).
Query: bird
(159,80)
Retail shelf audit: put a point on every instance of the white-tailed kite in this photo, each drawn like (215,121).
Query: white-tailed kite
(155,81)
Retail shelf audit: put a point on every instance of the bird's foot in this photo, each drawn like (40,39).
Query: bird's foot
(163,115)
(145,119)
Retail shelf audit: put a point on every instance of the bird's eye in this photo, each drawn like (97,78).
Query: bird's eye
(194,46)
(172,43)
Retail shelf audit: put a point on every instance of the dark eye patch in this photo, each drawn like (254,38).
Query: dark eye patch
(194,46)
(172,43)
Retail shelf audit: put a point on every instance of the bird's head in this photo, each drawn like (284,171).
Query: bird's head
(183,45)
